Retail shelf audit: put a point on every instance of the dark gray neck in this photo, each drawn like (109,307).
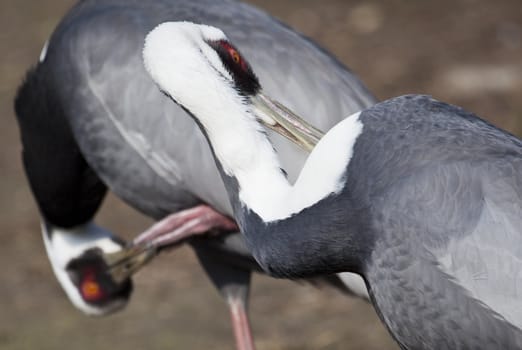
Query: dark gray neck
(315,241)
(67,190)
(324,238)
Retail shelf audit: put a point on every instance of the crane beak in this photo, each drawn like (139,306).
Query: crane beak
(274,115)
(124,263)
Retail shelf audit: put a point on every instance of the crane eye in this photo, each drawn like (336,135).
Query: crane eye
(90,289)
(235,56)
(229,53)
(245,80)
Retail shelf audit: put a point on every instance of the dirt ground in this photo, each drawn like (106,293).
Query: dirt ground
(467,52)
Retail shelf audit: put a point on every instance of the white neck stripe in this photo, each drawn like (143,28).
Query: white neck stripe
(321,176)
(181,62)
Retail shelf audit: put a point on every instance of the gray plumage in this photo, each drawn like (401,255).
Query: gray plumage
(430,215)
(421,198)
(146,149)
(135,138)
(450,228)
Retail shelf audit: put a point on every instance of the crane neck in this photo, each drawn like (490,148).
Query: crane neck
(246,154)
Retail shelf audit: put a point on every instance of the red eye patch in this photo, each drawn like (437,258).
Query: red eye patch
(233,54)
(90,289)
(244,79)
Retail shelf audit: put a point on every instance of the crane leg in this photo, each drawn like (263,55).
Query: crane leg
(168,232)
(232,280)
(240,323)
(176,228)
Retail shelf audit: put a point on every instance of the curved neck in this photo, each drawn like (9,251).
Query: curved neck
(246,154)
(325,238)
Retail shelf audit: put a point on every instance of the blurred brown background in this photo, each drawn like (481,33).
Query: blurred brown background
(467,52)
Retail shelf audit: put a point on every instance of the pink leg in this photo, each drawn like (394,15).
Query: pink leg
(179,226)
(195,221)
(240,323)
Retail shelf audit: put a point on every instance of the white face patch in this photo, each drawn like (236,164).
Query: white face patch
(65,245)
(180,61)
(176,53)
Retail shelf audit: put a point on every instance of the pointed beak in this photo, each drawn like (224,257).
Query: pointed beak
(124,263)
(282,120)
(272,114)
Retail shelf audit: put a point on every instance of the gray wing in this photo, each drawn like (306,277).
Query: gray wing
(458,227)
(487,261)
(153,155)
(449,250)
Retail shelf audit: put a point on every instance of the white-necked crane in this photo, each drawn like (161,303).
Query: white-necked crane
(421,198)
(91,119)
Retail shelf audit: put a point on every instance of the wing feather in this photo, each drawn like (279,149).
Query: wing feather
(465,219)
